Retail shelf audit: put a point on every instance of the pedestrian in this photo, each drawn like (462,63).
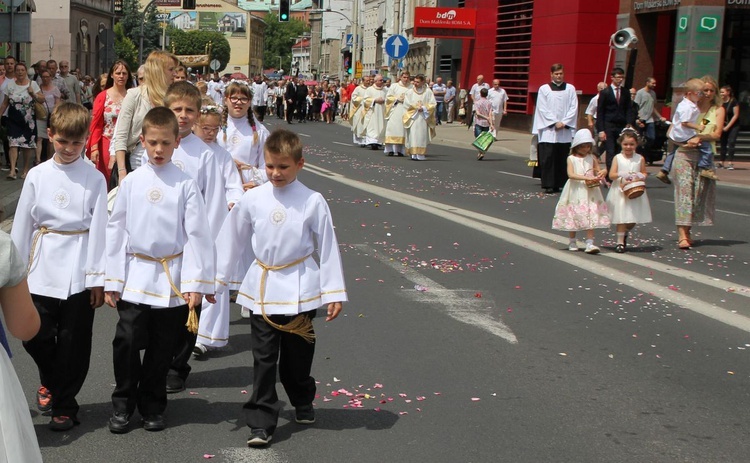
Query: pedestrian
(260,100)
(51,100)
(554,124)
(439,90)
(450,102)
(581,205)
(20,96)
(462,104)
(374,115)
(242,135)
(647,114)
(499,99)
(290,98)
(196,159)
(419,119)
(64,239)
(474,95)
(592,108)
(16,429)
(71,83)
(159,265)
(483,118)
(127,144)
(395,132)
(282,222)
(627,166)
(731,128)
(357,112)
(614,112)
(301,101)
(687,123)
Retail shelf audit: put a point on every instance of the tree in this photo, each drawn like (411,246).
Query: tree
(279,38)
(132,17)
(125,49)
(194,43)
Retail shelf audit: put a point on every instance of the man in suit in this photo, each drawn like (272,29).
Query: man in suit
(290,95)
(614,113)
(301,101)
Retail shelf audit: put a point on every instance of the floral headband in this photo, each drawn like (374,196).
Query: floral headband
(211,109)
(242,82)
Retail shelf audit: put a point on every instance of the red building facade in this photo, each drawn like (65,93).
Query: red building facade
(517,41)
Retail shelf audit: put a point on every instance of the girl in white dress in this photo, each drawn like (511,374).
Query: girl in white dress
(582,207)
(626,212)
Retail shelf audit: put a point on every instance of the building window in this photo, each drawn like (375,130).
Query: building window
(513,51)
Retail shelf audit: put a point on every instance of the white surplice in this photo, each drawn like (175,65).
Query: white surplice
(356,115)
(395,133)
(374,119)
(419,123)
(553,107)
(232,181)
(159,212)
(63,197)
(280,226)
(240,141)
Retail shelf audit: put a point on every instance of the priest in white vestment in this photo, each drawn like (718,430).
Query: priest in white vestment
(419,118)
(395,132)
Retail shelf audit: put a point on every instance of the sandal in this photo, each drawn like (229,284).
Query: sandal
(620,248)
(684,243)
(11,177)
(480,156)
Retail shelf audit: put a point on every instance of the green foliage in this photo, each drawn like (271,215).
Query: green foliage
(279,38)
(125,49)
(132,17)
(194,43)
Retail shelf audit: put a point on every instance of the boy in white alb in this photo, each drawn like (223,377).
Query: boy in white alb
(196,159)
(282,221)
(160,261)
(685,125)
(60,227)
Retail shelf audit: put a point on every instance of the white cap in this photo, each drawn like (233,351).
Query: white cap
(581,137)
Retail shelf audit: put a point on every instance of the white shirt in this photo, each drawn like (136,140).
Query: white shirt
(553,107)
(216,91)
(498,99)
(687,111)
(591,109)
(279,226)
(63,197)
(159,212)
(259,93)
(476,88)
(241,144)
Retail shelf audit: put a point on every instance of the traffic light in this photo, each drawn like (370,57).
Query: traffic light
(188,4)
(284,10)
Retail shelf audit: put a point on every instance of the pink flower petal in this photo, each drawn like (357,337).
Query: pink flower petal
(475,399)
(208,456)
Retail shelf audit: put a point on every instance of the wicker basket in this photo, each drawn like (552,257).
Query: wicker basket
(593,182)
(633,189)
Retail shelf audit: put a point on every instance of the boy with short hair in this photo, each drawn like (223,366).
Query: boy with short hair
(685,125)
(60,227)
(282,220)
(196,159)
(160,260)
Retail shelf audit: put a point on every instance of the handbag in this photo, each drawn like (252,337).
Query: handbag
(40,112)
(461,112)
(483,141)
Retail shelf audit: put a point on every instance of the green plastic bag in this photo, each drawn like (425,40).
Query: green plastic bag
(483,141)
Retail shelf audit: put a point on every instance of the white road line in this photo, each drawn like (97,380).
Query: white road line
(304,135)
(718,210)
(488,225)
(459,304)
(513,174)
(339,143)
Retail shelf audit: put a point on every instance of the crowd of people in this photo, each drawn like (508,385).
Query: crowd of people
(159,201)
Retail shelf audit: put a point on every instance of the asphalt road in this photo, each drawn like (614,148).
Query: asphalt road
(472,335)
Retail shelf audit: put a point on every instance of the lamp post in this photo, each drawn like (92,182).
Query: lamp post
(143,21)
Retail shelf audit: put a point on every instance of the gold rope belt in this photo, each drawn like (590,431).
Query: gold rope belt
(192,321)
(45,231)
(301,325)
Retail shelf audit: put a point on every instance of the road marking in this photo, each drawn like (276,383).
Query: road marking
(304,135)
(498,228)
(344,144)
(718,210)
(459,304)
(514,174)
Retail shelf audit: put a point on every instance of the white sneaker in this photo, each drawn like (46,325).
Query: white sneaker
(245,312)
(420,157)
(592,249)
(573,246)
(413,157)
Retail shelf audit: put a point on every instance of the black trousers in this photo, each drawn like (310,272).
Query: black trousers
(279,107)
(294,357)
(301,109)
(290,110)
(143,384)
(611,145)
(62,348)
(260,111)
(183,350)
(553,163)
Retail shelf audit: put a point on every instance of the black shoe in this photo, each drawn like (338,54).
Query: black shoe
(154,423)
(258,438)
(61,423)
(400,155)
(118,423)
(304,414)
(549,191)
(175,384)
(390,153)
(620,248)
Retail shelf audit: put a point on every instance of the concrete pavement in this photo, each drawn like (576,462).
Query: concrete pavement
(511,144)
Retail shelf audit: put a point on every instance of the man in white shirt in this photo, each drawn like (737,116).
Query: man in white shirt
(450,101)
(591,108)
(474,95)
(259,97)
(439,89)
(499,100)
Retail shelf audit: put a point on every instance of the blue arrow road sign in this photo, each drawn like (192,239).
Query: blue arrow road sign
(396,46)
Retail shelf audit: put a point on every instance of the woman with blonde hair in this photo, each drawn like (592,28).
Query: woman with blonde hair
(158,74)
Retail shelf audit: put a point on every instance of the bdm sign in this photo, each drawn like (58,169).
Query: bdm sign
(449,23)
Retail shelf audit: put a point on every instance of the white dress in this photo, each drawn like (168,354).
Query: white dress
(580,207)
(622,209)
